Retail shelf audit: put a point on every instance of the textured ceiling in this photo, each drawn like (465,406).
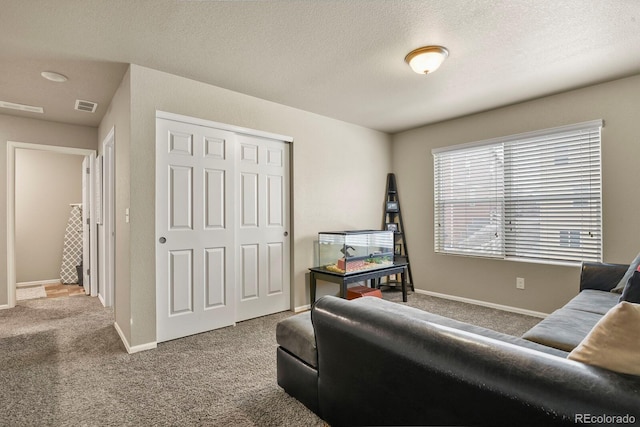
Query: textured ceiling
(342,59)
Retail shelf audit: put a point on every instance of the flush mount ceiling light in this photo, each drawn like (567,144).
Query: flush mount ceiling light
(53,76)
(427,59)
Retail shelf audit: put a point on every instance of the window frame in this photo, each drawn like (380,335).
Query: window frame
(590,251)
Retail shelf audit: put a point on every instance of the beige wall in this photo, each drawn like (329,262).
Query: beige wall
(328,155)
(46,183)
(547,287)
(20,129)
(118,117)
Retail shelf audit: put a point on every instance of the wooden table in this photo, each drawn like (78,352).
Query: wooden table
(343,279)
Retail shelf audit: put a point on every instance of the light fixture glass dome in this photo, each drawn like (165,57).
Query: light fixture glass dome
(53,76)
(426,59)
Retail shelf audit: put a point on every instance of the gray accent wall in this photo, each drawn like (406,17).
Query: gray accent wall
(547,287)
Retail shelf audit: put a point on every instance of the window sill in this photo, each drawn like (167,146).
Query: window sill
(512,259)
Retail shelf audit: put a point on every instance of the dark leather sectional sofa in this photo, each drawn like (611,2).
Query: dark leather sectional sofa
(373,362)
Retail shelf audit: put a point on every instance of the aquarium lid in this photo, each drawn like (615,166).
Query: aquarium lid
(353,232)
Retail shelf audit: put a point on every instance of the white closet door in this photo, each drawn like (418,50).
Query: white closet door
(262,208)
(195,229)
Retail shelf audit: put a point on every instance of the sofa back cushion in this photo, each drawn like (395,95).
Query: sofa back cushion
(623,282)
(383,306)
(631,292)
(614,342)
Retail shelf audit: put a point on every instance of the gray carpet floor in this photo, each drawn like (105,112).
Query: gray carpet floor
(63,364)
(498,320)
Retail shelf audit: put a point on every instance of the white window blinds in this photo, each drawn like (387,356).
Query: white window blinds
(533,196)
(469,200)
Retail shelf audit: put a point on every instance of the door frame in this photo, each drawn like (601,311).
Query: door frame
(106,291)
(221,126)
(12,146)
(89,225)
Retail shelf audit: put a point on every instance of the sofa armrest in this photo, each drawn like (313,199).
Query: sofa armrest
(382,368)
(601,276)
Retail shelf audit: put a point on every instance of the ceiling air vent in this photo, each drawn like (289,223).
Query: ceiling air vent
(21,107)
(88,106)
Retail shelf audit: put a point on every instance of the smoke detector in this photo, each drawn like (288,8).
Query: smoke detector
(88,106)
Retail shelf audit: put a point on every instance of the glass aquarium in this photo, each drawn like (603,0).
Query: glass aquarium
(353,251)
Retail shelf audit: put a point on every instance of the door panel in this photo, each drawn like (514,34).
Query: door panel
(181,282)
(180,203)
(214,148)
(195,229)
(249,197)
(180,143)
(275,192)
(249,153)
(215,275)
(250,272)
(214,180)
(264,226)
(275,274)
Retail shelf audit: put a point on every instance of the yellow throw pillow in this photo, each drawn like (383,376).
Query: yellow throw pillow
(614,342)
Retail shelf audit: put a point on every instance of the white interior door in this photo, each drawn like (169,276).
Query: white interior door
(106,285)
(89,228)
(86,235)
(262,208)
(195,274)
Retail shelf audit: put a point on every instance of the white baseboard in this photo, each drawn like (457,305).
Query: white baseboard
(36,283)
(4,307)
(136,348)
(485,304)
(302,308)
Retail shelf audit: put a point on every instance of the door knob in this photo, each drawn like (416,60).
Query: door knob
(162,240)
(286,233)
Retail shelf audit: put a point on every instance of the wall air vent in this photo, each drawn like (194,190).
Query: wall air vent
(21,107)
(88,106)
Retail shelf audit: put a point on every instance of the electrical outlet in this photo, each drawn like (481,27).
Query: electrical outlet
(519,282)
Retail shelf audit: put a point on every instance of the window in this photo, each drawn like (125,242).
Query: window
(534,196)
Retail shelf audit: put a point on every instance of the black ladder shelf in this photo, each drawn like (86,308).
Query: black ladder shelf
(392,220)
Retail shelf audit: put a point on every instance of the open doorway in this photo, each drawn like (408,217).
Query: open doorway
(48,222)
(19,270)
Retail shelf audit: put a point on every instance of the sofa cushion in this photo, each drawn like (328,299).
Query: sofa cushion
(631,292)
(295,334)
(614,342)
(391,307)
(623,282)
(598,302)
(563,329)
